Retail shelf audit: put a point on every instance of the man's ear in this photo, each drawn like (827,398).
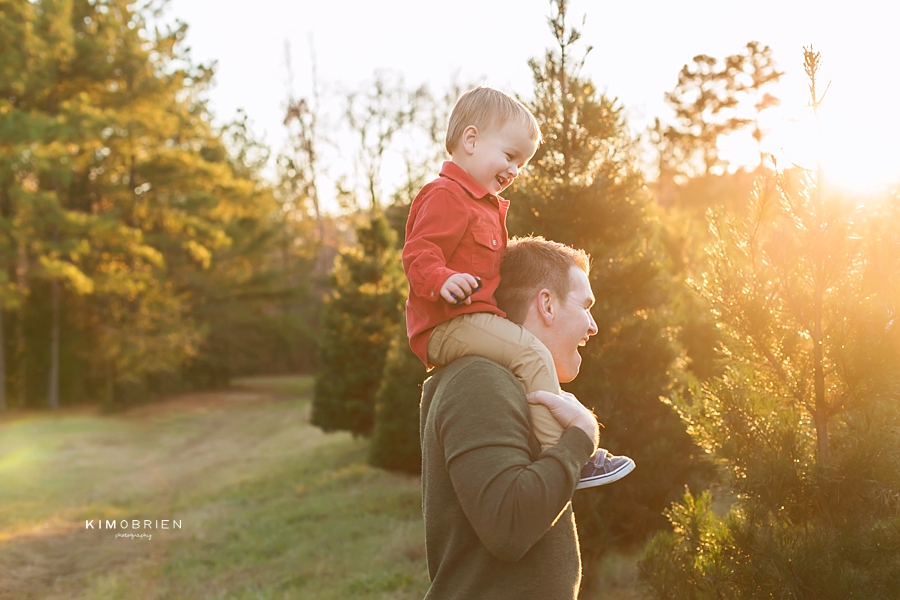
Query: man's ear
(468,139)
(545,306)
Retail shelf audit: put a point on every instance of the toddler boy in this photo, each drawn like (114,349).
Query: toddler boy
(455,237)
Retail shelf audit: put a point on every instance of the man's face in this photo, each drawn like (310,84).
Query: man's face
(572,326)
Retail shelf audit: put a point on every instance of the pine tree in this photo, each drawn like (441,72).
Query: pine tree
(713,99)
(360,318)
(395,440)
(248,298)
(582,188)
(162,194)
(804,417)
(18,56)
(118,197)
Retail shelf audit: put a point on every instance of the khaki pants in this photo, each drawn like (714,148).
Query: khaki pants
(511,345)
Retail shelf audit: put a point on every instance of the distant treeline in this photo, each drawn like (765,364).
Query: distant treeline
(141,250)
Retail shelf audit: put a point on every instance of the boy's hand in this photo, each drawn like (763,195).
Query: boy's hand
(459,287)
(569,411)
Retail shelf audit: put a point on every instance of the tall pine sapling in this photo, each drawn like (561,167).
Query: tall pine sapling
(804,417)
(360,317)
(395,440)
(582,188)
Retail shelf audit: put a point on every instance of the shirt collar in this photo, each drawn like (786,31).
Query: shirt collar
(453,171)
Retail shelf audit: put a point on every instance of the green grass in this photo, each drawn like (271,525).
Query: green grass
(270,507)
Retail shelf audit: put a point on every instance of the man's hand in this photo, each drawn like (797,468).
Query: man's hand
(567,409)
(459,287)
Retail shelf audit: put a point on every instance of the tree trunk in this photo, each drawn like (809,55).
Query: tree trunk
(23,360)
(53,384)
(21,345)
(821,414)
(2,364)
(109,399)
(811,64)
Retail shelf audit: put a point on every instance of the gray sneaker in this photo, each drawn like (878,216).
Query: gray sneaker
(604,468)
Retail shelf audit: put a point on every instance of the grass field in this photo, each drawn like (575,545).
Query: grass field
(269,506)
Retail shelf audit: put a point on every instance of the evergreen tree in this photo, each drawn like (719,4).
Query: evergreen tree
(360,318)
(804,418)
(247,300)
(118,199)
(713,99)
(815,503)
(163,180)
(395,441)
(582,188)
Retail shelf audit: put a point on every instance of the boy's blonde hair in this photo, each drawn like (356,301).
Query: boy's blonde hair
(487,108)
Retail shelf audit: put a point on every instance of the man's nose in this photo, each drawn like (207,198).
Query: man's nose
(592,328)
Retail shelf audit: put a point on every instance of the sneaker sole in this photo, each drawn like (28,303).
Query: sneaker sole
(616,475)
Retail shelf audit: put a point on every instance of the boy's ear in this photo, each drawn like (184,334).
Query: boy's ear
(468,139)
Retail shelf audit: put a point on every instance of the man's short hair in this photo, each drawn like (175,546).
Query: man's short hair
(531,264)
(486,109)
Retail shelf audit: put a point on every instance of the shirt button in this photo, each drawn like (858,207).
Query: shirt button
(494,242)
(432,293)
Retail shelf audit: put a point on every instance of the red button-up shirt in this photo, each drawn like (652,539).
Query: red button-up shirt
(454,226)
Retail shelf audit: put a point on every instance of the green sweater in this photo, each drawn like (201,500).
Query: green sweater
(498,513)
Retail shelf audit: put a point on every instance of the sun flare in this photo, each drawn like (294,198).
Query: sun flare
(852,148)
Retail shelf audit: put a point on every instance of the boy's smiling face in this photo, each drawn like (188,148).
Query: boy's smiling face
(494,156)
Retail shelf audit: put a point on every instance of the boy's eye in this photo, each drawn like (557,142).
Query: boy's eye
(508,155)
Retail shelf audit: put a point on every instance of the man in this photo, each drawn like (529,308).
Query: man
(498,514)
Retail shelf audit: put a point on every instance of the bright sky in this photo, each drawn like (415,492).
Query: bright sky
(639,48)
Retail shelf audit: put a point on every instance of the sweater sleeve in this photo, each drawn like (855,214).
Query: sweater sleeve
(510,500)
(439,224)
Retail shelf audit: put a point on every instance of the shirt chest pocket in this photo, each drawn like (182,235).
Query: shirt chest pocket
(488,248)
